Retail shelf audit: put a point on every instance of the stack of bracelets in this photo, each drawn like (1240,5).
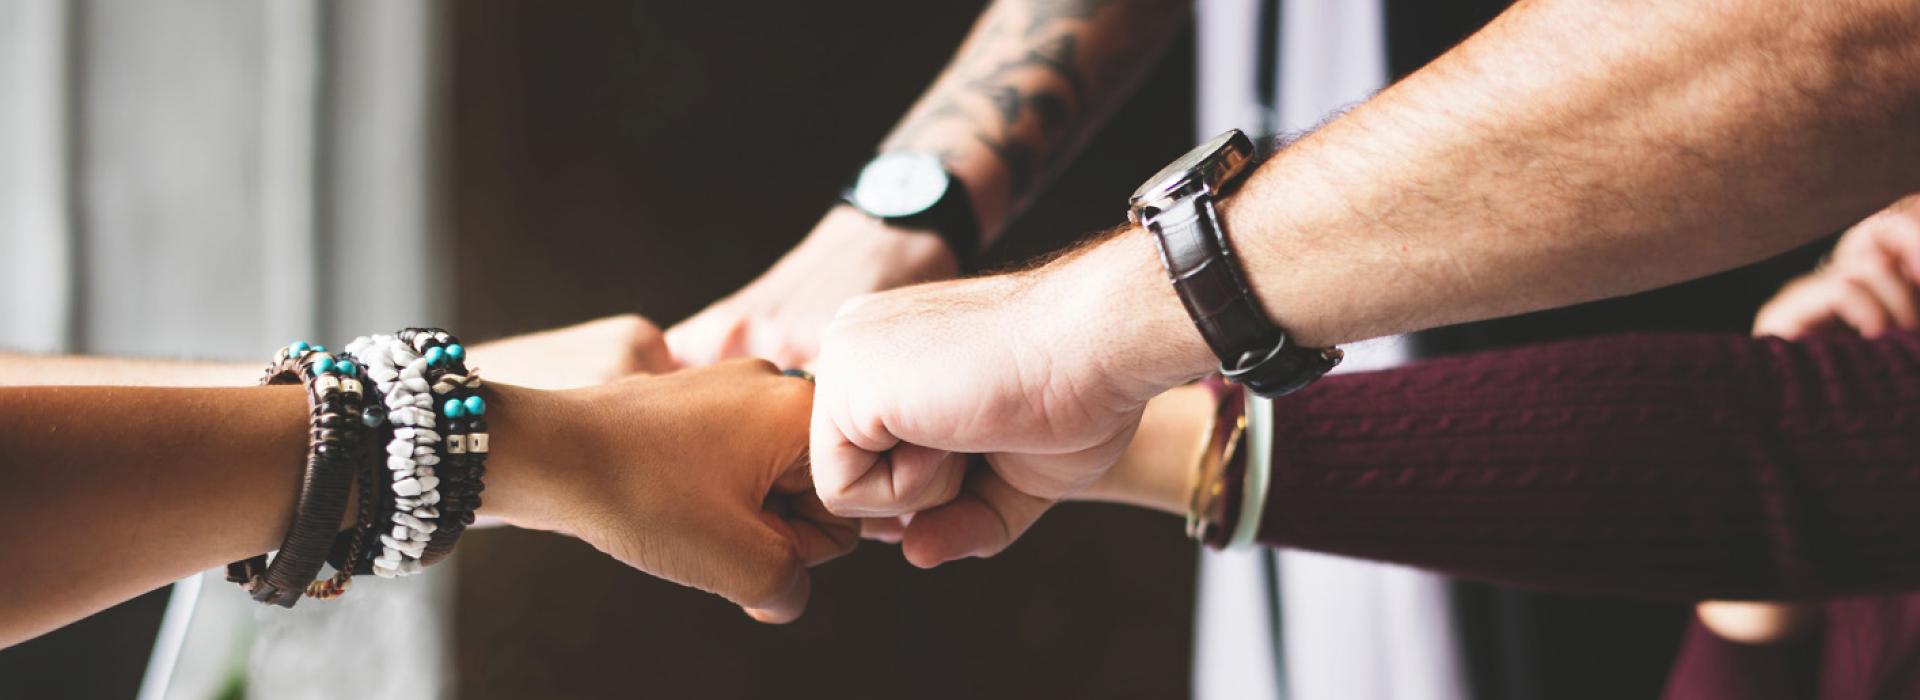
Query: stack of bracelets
(399,418)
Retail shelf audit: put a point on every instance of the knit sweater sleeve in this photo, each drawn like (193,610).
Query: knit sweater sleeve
(1669,465)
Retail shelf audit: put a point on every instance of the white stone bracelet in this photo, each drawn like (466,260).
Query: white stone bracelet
(399,374)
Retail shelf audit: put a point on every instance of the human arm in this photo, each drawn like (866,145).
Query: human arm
(583,354)
(1669,465)
(108,492)
(1033,81)
(1568,152)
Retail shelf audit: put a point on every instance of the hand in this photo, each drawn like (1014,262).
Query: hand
(698,477)
(1043,372)
(1868,284)
(584,354)
(779,316)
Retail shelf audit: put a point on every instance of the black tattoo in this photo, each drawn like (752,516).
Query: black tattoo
(1026,120)
(1054,55)
(1020,159)
(1046,12)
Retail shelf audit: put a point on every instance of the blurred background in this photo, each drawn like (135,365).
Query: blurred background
(211,178)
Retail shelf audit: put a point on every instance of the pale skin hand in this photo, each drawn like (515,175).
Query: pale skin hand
(1869,286)
(109,492)
(1570,151)
(1033,81)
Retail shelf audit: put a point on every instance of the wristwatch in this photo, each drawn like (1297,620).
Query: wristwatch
(1176,206)
(913,190)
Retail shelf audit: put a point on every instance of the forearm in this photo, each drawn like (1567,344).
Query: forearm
(1569,152)
(1671,465)
(112,491)
(1684,466)
(109,492)
(1577,150)
(18,369)
(1034,80)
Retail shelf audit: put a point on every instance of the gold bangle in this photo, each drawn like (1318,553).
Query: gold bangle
(1197,476)
(1209,481)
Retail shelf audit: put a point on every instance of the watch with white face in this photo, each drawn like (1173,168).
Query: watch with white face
(914,190)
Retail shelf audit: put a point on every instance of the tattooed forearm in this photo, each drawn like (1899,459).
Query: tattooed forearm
(1033,81)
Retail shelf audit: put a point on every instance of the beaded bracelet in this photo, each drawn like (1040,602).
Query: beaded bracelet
(466,441)
(351,556)
(336,435)
(412,453)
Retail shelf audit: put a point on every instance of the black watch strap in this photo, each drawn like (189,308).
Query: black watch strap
(951,218)
(1252,350)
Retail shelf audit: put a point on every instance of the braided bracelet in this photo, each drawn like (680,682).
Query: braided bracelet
(337,429)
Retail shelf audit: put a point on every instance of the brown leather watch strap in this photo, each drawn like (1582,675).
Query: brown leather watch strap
(1252,350)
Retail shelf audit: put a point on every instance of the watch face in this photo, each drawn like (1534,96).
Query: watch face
(900,184)
(1208,164)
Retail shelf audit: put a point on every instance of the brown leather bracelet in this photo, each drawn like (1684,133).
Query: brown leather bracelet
(335,439)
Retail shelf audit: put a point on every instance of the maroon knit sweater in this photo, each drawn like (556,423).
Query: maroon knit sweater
(1672,465)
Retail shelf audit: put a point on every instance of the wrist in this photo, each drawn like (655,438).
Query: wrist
(1121,314)
(1157,471)
(978,168)
(533,435)
(901,256)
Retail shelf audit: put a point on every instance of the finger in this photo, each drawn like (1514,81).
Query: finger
(1897,232)
(840,466)
(783,344)
(888,530)
(650,354)
(796,479)
(1881,276)
(1799,306)
(1857,306)
(766,575)
(819,535)
(788,605)
(907,478)
(988,516)
(708,337)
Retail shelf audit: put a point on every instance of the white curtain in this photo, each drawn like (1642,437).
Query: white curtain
(211,179)
(1349,630)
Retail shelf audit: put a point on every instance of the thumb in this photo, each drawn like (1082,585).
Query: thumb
(987,516)
(772,586)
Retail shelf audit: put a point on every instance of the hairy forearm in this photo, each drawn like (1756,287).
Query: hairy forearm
(17,369)
(1577,150)
(1032,82)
